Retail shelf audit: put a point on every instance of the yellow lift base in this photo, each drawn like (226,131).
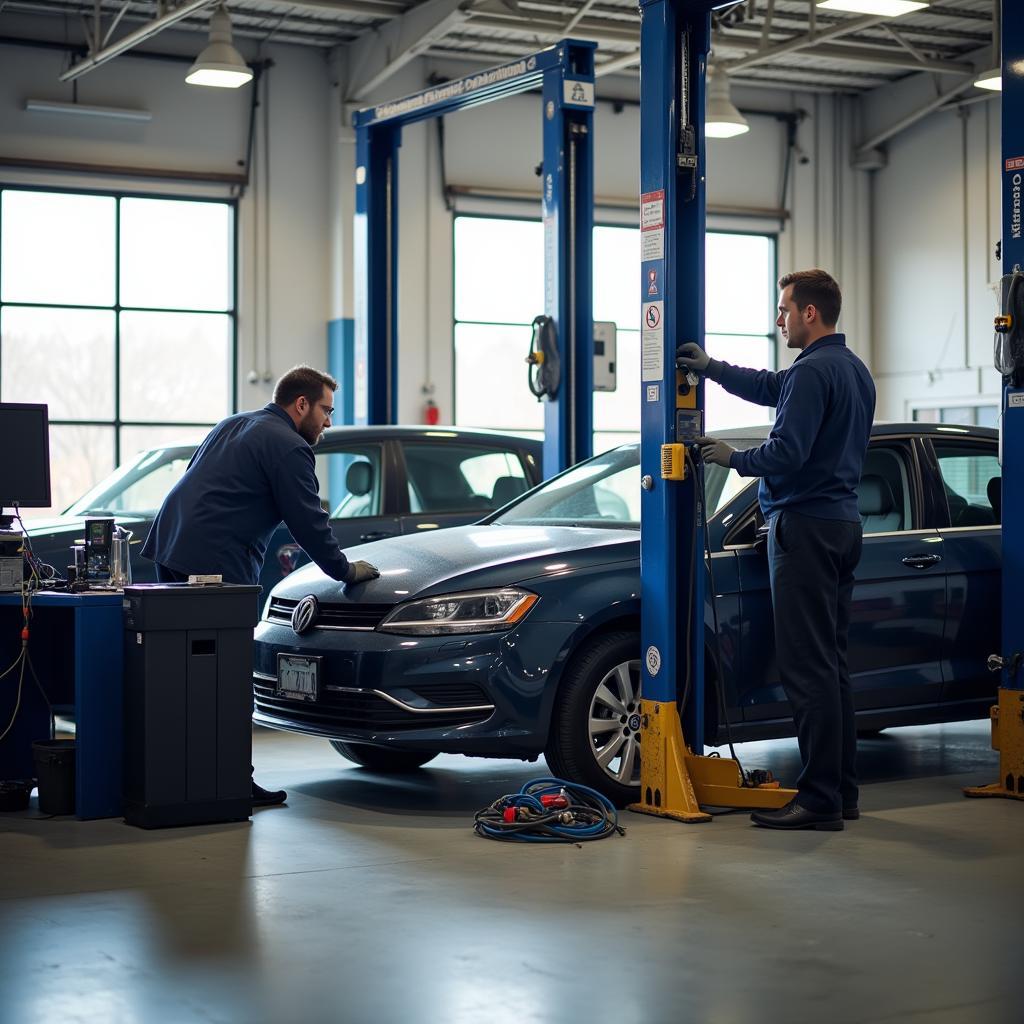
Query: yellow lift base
(1008,738)
(674,783)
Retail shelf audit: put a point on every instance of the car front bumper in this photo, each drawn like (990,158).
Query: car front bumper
(484,694)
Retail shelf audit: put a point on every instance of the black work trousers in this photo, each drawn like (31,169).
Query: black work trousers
(811,565)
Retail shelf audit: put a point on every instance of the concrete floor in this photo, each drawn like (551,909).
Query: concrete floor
(369,899)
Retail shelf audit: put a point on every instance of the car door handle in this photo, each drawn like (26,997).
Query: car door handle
(922,561)
(375,536)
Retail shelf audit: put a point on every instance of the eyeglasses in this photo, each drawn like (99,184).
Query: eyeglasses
(328,409)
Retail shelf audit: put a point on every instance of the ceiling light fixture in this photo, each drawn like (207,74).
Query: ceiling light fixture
(723,120)
(220,64)
(881,8)
(991,79)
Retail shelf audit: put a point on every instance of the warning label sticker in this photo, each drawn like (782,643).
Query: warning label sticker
(652,342)
(652,226)
(1015,163)
(1015,401)
(652,245)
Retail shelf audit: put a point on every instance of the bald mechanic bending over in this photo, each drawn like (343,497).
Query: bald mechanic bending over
(809,468)
(253,471)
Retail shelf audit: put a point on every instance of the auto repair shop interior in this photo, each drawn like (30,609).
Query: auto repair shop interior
(534,770)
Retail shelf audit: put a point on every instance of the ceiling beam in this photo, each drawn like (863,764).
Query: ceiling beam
(375,55)
(147,31)
(892,59)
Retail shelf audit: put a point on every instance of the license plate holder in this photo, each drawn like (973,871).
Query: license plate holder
(298,677)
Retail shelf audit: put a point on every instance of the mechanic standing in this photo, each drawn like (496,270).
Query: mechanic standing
(254,470)
(809,466)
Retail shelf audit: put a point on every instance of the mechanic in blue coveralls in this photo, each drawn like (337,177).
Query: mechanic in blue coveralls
(809,466)
(253,471)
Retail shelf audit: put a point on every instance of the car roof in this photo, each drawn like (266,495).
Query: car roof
(881,428)
(425,433)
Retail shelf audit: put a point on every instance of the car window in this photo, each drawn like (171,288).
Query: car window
(459,477)
(972,481)
(350,480)
(139,486)
(883,494)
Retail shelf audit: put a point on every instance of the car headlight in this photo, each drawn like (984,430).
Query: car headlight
(481,611)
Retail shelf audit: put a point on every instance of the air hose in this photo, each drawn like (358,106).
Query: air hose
(549,811)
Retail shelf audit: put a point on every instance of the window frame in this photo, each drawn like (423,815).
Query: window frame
(983,446)
(116,423)
(770,336)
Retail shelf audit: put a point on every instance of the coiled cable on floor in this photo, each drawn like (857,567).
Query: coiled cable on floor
(549,811)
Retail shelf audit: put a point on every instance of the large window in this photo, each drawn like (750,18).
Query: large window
(499,289)
(118,312)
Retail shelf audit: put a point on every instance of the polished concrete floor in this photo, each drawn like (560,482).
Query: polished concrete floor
(368,899)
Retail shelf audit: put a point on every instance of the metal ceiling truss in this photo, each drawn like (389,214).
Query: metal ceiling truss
(771,43)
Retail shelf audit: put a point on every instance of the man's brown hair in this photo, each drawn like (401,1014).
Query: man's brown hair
(815,288)
(303,382)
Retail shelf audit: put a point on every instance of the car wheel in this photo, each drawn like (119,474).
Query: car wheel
(595,730)
(381,759)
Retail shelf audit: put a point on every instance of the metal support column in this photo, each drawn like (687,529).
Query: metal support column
(1008,714)
(565,74)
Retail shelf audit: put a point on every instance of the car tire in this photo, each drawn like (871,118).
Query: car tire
(381,759)
(573,750)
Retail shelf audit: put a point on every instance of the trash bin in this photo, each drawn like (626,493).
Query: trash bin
(188,703)
(55,772)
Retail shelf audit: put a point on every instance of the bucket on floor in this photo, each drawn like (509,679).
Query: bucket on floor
(55,772)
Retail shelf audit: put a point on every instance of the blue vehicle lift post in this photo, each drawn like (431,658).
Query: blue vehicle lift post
(565,74)
(675,780)
(1008,715)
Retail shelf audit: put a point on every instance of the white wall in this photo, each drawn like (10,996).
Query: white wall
(202,130)
(935,224)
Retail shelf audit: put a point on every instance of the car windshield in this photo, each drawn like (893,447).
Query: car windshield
(139,486)
(605,491)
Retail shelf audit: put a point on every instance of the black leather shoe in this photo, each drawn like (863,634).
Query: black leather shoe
(267,797)
(851,813)
(793,816)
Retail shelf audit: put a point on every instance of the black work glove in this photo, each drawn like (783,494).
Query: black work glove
(690,356)
(360,572)
(712,449)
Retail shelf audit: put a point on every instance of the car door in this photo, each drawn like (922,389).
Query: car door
(448,483)
(968,469)
(356,481)
(898,611)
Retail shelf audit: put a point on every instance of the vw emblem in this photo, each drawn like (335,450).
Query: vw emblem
(634,723)
(305,614)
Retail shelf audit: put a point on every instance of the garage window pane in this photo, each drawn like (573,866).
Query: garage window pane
(79,456)
(739,284)
(499,270)
(723,410)
(617,278)
(175,254)
(135,439)
(178,366)
(63,357)
(490,378)
(57,248)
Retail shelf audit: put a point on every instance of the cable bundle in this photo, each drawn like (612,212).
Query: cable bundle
(549,811)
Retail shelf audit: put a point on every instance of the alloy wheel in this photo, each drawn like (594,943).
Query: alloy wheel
(614,723)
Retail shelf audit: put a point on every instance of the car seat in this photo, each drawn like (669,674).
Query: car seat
(878,512)
(994,490)
(359,478)
(506,488)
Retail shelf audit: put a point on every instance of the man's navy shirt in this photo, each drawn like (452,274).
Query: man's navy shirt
(253,471)
(812,460)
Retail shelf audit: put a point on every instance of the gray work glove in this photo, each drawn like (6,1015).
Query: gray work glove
(714,450)
(690,356)
(360,572)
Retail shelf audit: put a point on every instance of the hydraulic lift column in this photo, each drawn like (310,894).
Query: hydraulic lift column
(675,779)
(1008,714)
(565,75)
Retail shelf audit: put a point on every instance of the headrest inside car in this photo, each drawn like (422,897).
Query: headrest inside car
(359,478)
(874,496)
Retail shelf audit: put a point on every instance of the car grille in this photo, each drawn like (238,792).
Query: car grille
(363,709)
(336,616)
(451,695)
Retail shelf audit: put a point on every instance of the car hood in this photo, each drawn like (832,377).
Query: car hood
(465,558)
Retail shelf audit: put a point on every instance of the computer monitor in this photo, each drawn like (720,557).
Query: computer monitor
(24,456)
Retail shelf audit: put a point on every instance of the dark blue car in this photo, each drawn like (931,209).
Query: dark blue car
(521,635)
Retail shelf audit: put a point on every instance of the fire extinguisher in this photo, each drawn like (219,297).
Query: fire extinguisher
(431,413)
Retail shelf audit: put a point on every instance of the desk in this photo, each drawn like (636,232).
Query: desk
(76,645)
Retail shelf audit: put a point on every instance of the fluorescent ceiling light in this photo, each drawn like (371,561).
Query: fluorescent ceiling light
(991,79)
(883,8)
(723,120)
(84,110)
(220,64)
